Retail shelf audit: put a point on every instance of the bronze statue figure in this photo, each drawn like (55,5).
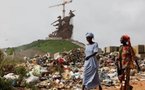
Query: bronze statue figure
(64,27)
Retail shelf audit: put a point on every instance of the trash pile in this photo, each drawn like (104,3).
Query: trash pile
(108,71)
(64,70)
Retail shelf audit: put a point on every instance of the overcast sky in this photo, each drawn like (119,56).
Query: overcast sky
(23,21)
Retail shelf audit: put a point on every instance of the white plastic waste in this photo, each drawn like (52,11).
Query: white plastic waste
(36,70)
(11,76)
(43,69)
(32,78)
(77,75)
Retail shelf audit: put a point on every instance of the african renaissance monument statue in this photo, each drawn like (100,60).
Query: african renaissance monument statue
(64,27)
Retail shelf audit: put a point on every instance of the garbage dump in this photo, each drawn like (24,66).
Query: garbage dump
(64,71)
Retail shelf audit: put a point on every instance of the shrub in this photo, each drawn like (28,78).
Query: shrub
(20,70)
(5,84)
(1,56)
(8,65)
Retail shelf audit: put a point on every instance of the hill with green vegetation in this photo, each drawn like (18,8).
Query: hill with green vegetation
(51,46)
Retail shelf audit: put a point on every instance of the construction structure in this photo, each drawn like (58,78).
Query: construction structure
(64,29)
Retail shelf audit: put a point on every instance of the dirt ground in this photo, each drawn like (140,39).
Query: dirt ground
(137,85)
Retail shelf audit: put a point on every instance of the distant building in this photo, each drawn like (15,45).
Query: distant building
(140,51)
(144,48)
(100,51)
(111,49)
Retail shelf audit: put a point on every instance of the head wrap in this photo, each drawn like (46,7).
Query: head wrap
(126,38)
(90,35)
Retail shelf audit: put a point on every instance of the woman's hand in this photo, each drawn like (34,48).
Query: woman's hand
(87,58)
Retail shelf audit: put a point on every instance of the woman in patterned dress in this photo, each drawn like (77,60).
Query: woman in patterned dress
(125,62)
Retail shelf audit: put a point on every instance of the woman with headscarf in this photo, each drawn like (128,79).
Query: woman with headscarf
(125,62)
(90,75)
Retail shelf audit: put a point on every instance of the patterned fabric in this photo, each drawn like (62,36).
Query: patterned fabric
(125,55)
(126,38)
